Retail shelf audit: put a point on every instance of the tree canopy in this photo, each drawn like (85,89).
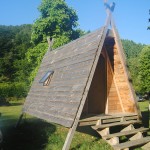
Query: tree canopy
(132,52)
(20,59)
(58,21)
(14,43)
(144,70)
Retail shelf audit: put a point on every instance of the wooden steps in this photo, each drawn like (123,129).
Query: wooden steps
(128,126)
(132,143)
(146,146)
(115,124)
(125,133)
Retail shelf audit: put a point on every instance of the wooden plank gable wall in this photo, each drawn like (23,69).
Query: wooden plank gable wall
(118,93)
(71,64)
(115,97)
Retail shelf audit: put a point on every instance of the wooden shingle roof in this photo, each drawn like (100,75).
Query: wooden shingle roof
(72,63)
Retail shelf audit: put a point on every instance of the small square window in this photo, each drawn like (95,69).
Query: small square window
(47,78)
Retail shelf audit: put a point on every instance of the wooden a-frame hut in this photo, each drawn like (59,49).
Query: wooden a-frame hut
(86,83)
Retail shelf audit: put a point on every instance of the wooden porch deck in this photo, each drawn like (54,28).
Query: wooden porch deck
(130,126)
(91,119)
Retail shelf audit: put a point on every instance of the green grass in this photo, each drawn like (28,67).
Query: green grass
(36,134)
(145,113)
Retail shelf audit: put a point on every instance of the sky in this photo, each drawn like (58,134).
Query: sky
(131,16)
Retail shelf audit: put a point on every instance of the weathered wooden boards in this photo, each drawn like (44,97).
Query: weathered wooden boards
(130,132)
(71,64)
(134,134)
(114,124)
(129,102)
(119,96)
(132,143)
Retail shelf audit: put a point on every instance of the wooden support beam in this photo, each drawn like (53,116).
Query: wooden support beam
(131,118)
(99,122)
(104,132)
(19,120)
(113,141)
(146,146)
(132,143)
(72,130)
(125,133)
(87,123)
(50,43)
(128,128)
(136,136)
(126,149)
(115,124)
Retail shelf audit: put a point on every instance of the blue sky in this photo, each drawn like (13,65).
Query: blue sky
(131,16)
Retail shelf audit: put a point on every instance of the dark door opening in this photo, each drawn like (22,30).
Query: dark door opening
(97,93)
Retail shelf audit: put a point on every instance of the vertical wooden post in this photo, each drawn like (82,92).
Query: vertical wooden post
(72,130)
(19,120)
(50,43)
(149,114)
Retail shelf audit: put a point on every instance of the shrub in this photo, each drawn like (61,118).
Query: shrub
(18,90)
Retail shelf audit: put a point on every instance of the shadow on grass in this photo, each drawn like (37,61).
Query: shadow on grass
(10,103)
(32,134)
(87,130)
(16,104)
(145,118)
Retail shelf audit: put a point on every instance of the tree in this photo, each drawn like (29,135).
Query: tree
(132,49)
(144,70)
(14,43)
(57,21)
(29,65)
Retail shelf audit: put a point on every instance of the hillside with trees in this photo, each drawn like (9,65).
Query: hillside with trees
(23,47)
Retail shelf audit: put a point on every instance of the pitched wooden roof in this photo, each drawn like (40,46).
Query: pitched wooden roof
(59,101)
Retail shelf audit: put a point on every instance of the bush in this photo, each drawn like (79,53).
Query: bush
(18,90)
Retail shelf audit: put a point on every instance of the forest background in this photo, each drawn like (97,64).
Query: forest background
(23,47)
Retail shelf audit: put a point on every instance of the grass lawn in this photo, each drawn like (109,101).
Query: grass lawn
(36,134)
(145,114)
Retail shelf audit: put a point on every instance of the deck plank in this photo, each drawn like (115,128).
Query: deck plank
(115,124)
(130,132)
(132,143)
